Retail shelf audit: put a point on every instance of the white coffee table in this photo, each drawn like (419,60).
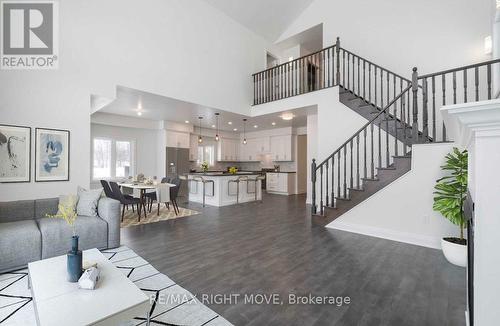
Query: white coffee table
(58,302)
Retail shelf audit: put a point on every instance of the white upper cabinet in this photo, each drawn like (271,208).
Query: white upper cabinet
(228,150)
(177,139)
(281,148)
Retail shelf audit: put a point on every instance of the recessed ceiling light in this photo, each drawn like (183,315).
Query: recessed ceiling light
(229,123)
(256,126)
(287,116)
(213,126)
(139,113)
(273,123)
(187,121)
(235,129)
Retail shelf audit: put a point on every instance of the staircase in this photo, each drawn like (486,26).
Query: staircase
(400,112)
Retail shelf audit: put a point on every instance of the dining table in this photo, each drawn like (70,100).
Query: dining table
(142,188)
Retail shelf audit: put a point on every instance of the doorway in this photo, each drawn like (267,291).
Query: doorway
(301,164)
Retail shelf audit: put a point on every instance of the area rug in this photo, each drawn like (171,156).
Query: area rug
(173,305)
(131,218)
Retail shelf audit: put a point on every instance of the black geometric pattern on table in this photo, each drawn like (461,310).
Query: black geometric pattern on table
(173,305)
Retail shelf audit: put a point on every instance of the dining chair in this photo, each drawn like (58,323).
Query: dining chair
(107,189)
(118,195)
(162,195)
(174,192)
(151,196)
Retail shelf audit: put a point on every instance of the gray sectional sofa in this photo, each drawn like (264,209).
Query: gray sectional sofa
(27,234)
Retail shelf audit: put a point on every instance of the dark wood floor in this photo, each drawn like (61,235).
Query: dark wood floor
(273,248)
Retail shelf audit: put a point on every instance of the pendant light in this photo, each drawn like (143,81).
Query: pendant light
(217,127)
(244,131)
(200,139)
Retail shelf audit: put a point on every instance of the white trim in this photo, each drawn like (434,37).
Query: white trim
(419,240)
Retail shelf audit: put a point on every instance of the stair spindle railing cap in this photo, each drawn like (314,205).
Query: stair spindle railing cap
(414,69)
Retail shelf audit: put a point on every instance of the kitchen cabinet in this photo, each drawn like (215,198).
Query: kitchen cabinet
(193,148)
(282,183)
(254,149)
(177,139)
(281,148)
(228,150)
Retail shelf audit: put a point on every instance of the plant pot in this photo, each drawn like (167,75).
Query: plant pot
(455,253)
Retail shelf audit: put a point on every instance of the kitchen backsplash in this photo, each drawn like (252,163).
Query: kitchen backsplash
(265,162)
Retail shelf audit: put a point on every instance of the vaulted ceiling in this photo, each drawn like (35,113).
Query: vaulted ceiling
(268,18)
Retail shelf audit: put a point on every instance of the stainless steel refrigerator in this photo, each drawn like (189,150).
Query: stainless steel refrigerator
(178,165)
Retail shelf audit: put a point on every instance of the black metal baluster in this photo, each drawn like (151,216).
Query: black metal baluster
(425,118)
(388,88)
(313,188)
(405,124)
(324,69)
(465,85)
(454,87)
(434,136)
(328,63)
(357,161)
(351,183)
(345,171)
(359,90)
(338,174)
(364,154)
(379,144)
(395,128)
(364,80)
(348,71)
(254,90)
(326,183)
(414,89)
(387,137)
(369,82)
(443,81)
(333,182)
(321,189)
(476,82)
(372,167)
(489,81)
(382,90)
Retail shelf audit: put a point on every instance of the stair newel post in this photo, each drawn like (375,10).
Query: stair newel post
(313,190)
(337,49)
(414,89)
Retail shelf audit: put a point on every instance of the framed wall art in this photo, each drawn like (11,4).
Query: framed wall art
(51,155)
(15,153)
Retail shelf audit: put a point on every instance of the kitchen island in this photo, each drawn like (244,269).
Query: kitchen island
(224,189)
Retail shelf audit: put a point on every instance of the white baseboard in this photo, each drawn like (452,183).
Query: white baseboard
(415,239)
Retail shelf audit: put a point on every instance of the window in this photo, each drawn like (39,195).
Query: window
(206,153)
(102,158)
(123,158)
(112,158)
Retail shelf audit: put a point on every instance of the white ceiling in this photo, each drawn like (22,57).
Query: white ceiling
(268,18)
(158,108)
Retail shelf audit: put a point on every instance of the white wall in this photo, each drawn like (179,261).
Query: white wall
(146,151)
(182,49)
(402,211)
(400,34)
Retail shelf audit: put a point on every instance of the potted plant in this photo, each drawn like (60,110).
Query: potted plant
(204,167)
(450,194)
(66,211)
(233,170)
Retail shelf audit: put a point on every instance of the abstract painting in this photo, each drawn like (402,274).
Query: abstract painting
(51,155)
(15,159)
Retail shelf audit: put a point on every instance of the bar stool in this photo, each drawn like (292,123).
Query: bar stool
(255,181)
(204,182)
(262,178)
(241,178)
